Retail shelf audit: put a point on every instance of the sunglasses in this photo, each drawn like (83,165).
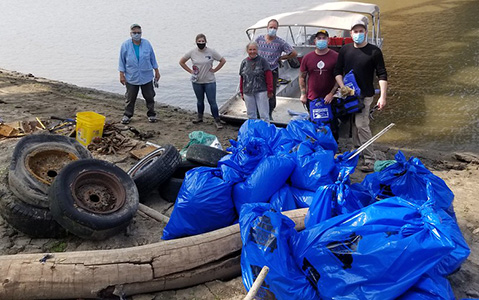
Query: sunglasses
(136,32)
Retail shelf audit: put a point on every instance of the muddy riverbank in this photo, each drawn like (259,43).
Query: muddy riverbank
(23,97)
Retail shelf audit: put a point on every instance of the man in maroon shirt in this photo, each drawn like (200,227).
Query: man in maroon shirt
(316,78)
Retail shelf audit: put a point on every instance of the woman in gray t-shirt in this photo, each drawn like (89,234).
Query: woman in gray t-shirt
(203,76)
(256,83)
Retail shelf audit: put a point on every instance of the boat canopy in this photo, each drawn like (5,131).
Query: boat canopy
(335,16)
(349,6)
(312,18)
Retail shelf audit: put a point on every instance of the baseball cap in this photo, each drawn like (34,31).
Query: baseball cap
(361,21)
(322,31)
(134,25)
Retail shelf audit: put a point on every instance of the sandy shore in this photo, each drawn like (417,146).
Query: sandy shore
(24,97)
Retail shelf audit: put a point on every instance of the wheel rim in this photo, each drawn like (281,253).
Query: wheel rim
(98,192)
(146,161)
(45,165)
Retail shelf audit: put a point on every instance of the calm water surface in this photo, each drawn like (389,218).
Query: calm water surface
(431,52)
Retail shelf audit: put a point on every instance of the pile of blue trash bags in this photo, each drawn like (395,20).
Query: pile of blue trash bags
(393,236)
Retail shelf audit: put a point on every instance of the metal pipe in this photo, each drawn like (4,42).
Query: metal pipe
(370,141)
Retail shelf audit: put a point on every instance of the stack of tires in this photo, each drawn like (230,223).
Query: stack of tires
(55,187)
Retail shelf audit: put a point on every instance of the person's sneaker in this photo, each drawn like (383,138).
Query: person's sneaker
(367,168)
(197,120)
(125,120)
(152,119)
(218,124)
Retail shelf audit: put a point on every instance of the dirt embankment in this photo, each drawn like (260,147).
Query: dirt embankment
(24,97)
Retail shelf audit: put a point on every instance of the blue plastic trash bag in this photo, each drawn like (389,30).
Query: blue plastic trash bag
(430,286)
(303,198)
(268,177)
(321,136)
(276,138)
(289,198)
(350,81)
(461,251)
(377,252)
(321,206)
(337,198)
(314,167)
(407,179)
(236,167)
(204,204)
(265,235)
(345,161)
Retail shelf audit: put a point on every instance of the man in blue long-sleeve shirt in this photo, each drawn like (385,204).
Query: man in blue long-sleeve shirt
(136,65)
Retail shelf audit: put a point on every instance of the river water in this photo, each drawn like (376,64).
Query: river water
(430,49)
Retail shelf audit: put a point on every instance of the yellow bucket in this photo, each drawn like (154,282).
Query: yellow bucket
(89,126)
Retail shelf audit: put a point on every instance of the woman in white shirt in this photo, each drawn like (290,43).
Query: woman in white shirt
(203,76)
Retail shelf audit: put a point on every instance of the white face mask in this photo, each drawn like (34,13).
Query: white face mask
(271,32)
(321,44)
(358,38)
(136,36)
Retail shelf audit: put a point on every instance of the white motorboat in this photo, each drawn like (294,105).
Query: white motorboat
(299,29)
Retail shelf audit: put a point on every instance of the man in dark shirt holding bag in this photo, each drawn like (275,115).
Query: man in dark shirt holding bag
(363,58)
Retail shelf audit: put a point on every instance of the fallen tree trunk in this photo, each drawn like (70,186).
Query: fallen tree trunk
(150,268)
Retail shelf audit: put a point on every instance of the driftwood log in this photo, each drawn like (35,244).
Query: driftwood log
(150,268)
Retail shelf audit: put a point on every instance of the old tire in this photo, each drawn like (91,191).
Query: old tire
(150,172)
(93,199)
(205,155)
(183,167)
(34,221)
(169,190)
(36,161)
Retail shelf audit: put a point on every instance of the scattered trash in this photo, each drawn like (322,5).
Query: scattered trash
(112,142)
(203,138)
(45,257)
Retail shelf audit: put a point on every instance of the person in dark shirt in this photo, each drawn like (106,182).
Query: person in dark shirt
(364,59)
(256,83)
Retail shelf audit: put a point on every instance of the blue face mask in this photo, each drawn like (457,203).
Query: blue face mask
(322,44)
(136,36)
(358,38)
(272,32)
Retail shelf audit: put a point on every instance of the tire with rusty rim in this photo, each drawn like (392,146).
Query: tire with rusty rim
(36,161)
(150,172)
(93,199)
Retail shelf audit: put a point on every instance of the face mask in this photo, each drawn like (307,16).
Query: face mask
(321,44)
(272,32)
(136,36)
(201,45)
(358,38)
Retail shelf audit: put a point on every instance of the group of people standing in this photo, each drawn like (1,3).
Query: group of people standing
(322,71)
(321,74)
(137,61)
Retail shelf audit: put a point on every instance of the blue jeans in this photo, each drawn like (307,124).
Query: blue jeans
(210,90)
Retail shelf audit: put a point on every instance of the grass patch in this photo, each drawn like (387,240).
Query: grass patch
(58,246)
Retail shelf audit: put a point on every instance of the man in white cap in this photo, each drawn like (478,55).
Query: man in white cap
(365,60)
(136,65)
